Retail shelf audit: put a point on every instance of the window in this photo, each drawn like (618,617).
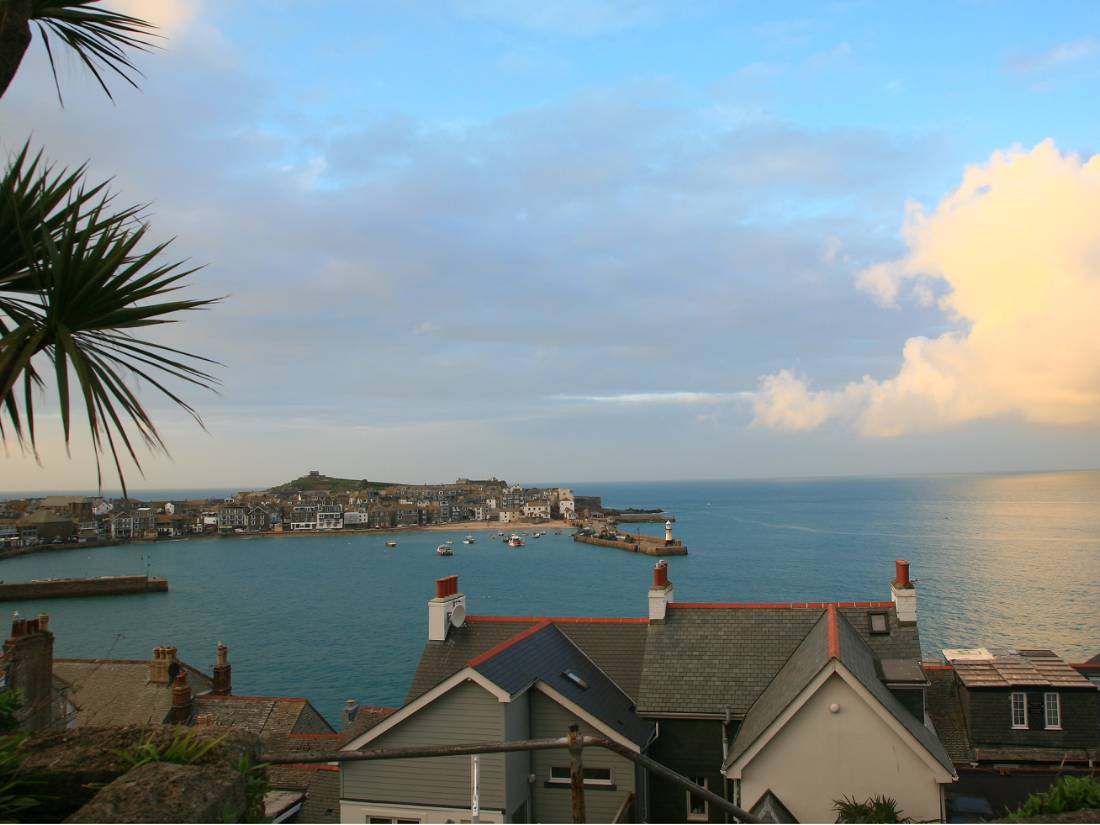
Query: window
(697,807)
(1052,712)
(593,777)
(1019,711)
(880,625)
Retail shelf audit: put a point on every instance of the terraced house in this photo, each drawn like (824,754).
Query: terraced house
(780,708)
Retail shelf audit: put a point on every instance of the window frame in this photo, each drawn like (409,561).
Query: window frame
(1057,711)
(1023,707)
(589,782)
(885,621)
(689,816)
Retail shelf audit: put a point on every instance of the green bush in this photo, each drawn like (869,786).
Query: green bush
(1068,793)
(873,809)
(186,748)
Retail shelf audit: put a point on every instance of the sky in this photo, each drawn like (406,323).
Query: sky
(582,240)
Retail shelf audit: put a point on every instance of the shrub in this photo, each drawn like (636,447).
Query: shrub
(873,809)
(1068,793)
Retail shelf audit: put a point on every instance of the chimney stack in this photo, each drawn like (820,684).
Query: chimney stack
(447,598)
(29,656)
(903,593)
(351,710)
(223,673)
(181,700)
(160,665)
(660,595)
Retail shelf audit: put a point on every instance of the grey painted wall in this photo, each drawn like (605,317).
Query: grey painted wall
(553,804)
(517,725)
(467,713)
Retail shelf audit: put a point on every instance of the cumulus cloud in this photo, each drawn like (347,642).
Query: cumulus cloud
(1017,247)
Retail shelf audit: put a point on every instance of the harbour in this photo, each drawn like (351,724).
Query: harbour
(76,588)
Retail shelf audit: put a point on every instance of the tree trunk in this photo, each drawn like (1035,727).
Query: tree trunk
(15,37)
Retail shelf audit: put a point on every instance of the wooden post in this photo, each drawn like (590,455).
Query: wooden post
(576,773)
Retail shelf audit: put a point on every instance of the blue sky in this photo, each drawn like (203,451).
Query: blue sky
(577,240)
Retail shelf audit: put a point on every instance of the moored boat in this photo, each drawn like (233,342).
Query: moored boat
(516,541)
(444,550)
(391,543)
(469,540)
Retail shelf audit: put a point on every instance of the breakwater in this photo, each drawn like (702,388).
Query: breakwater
(641,518)
(72,588)
(637,544)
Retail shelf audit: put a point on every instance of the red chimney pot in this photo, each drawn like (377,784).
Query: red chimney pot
(660,574)
(901,573)
(441,588)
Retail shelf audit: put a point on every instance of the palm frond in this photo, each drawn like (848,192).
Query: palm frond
(78,279)
(99,37)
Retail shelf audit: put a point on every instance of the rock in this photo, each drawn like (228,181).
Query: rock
(162,792)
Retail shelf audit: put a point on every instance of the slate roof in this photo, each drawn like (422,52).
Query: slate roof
(322,803)
(616,647)
(825,641)
(1023,668)
(365,719)
(544,654)
(945,711)
(112,692)
(704,659)
(265,716)
(297,776)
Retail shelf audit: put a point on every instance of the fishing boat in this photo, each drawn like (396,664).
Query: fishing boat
(391,543)
(469,540)
(516,541)
(444,550)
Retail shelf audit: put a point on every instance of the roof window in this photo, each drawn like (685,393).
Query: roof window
(575,679)
(880,625)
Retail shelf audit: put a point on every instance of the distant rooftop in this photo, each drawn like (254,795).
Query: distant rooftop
(1007,667)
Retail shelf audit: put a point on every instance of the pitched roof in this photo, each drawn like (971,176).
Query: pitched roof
(543,654)
(983,668)
(945,711)
(322,803)
(831,637)
(297,776)
(707,658)
(112,692)
(617,646)
(266,716)
(365,719)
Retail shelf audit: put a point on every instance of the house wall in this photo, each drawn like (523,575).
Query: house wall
(691,747)
(517,725)
(989,718)
(552,803)
(466,713)
(819,756)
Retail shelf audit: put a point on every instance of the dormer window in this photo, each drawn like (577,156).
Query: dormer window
(1052,711)
(1019,710)
(880,624)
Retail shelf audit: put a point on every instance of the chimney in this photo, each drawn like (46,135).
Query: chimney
(350,711)
(181,700)
(223,673)
(447,599)
(903,593)
(160,665)
(660,595)
(29,656)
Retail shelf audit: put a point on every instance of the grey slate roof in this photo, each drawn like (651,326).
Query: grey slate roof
(113,692)
(811,655)
(618,649)
(703,660)
(545,656)
(265,716)
(945,711)
(322,798)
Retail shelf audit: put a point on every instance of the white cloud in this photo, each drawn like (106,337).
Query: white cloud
(171,17)
(1018,246)
(1058,55)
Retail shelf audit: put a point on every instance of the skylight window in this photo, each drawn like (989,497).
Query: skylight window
(575,679)
(879,624)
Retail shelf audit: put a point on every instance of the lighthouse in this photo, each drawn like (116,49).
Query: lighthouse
(668,532)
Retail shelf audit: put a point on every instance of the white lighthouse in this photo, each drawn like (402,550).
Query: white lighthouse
(668,532)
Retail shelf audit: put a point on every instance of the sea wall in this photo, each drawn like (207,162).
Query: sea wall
(650,547)
(69,588)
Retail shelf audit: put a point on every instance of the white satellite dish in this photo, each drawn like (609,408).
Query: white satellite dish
(458,615)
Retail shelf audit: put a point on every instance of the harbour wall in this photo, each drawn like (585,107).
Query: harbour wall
(642,518)
(651,547)
(69,588)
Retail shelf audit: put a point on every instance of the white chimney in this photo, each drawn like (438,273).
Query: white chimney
(660,595)
(446,609)
(903,593)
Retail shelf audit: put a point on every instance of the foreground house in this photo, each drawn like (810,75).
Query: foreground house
(780,708)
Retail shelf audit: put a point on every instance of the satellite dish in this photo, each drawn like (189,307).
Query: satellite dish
(458,615)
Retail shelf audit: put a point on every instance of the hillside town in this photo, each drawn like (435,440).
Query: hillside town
(314,503)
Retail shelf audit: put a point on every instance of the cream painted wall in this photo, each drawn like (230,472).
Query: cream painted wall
(820,756)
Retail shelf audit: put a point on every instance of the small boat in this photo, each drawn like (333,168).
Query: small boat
(448,542)
(516,541)
(469,540)
(391,543)
(536,535)
(444,550)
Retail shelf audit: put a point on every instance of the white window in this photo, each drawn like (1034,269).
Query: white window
(1052,716)
(559,775)
(1019,711)
(698,809)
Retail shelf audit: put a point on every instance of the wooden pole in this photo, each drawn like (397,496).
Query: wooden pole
(576,772)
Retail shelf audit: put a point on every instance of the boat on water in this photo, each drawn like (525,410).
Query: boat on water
(444,550)
(469,540)
(536,535)
(391,543)
(516,541)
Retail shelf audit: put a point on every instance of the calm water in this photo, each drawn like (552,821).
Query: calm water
(999,559)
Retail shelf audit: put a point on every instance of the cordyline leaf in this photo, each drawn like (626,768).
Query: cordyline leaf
(77,280)
(99,37)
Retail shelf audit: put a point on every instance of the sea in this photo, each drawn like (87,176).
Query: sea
(1002,560)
